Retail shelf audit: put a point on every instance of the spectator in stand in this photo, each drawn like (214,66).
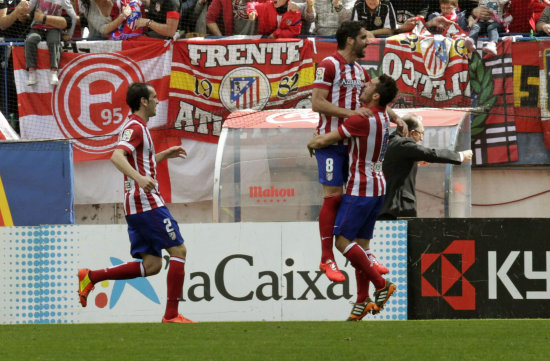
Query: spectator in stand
(543,24)
(162,18)
(199,17)
(465,6)
(405,10)
(490,27)
(275,19)
(14,18)
(328,16)
(98,16)
(232,14)
(377,16)
(307,9)
(51,30)
(449,10)
(129,11)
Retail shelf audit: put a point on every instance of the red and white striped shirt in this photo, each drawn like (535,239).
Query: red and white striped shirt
(344,83)
(136,140)
(368,140)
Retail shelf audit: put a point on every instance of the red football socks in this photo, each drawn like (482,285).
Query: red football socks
(124,271)
(362,286)
(359,260)
(174,283)
(327,215)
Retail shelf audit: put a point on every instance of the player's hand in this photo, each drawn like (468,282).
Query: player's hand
(364,112)
(546,29)
(402,126)
(175,152)
(468,154)
(147,183)
(252,16)
(311,151)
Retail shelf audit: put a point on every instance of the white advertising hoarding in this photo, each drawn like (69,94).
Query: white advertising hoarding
(234,272)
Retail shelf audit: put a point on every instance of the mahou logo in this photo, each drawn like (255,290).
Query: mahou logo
(450,275)
(271,194)
(89,104)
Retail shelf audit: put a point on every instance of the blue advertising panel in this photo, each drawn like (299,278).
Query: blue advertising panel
(36,183)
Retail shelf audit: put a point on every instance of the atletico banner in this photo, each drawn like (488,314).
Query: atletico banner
(89,103)
(431,69)
(213,77)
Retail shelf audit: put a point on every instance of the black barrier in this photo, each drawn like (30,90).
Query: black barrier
(478,268)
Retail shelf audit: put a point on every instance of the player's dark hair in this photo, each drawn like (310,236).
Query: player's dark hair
(135,92)
(387,89)
(348,29)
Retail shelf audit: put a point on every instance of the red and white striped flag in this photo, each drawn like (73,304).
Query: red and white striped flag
(89,103)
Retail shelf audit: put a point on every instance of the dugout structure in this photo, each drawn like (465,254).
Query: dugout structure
(263,171)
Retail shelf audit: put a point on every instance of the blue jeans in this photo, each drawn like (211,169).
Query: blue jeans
(491,28)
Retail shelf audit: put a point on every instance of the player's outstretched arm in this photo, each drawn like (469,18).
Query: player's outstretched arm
(172,152)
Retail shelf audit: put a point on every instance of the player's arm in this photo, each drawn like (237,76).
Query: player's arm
(323,141)
(396,119)
(121,162)
(172,152)
(320,104)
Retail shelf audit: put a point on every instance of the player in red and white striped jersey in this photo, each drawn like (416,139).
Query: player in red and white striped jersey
(135,141)
(365,190)
(339,79)
(150,225)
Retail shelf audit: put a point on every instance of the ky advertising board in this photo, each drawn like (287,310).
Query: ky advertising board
(478,268)
(234,272)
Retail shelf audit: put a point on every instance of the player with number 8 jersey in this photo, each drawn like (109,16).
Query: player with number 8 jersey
(151,227)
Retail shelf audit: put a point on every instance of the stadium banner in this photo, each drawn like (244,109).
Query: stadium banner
(89,103)
(544,59)
(36,183)
(234,272)
(494,138)
(213,77)
(478,268)
(526,87)
(431,69)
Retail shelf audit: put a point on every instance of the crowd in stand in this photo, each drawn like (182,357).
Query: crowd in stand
(124,19)
(57,20)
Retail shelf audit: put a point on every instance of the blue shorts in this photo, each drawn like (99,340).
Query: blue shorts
(357,215)
(332,163)
(152,231)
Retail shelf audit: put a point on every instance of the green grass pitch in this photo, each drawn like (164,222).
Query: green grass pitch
(378,341)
